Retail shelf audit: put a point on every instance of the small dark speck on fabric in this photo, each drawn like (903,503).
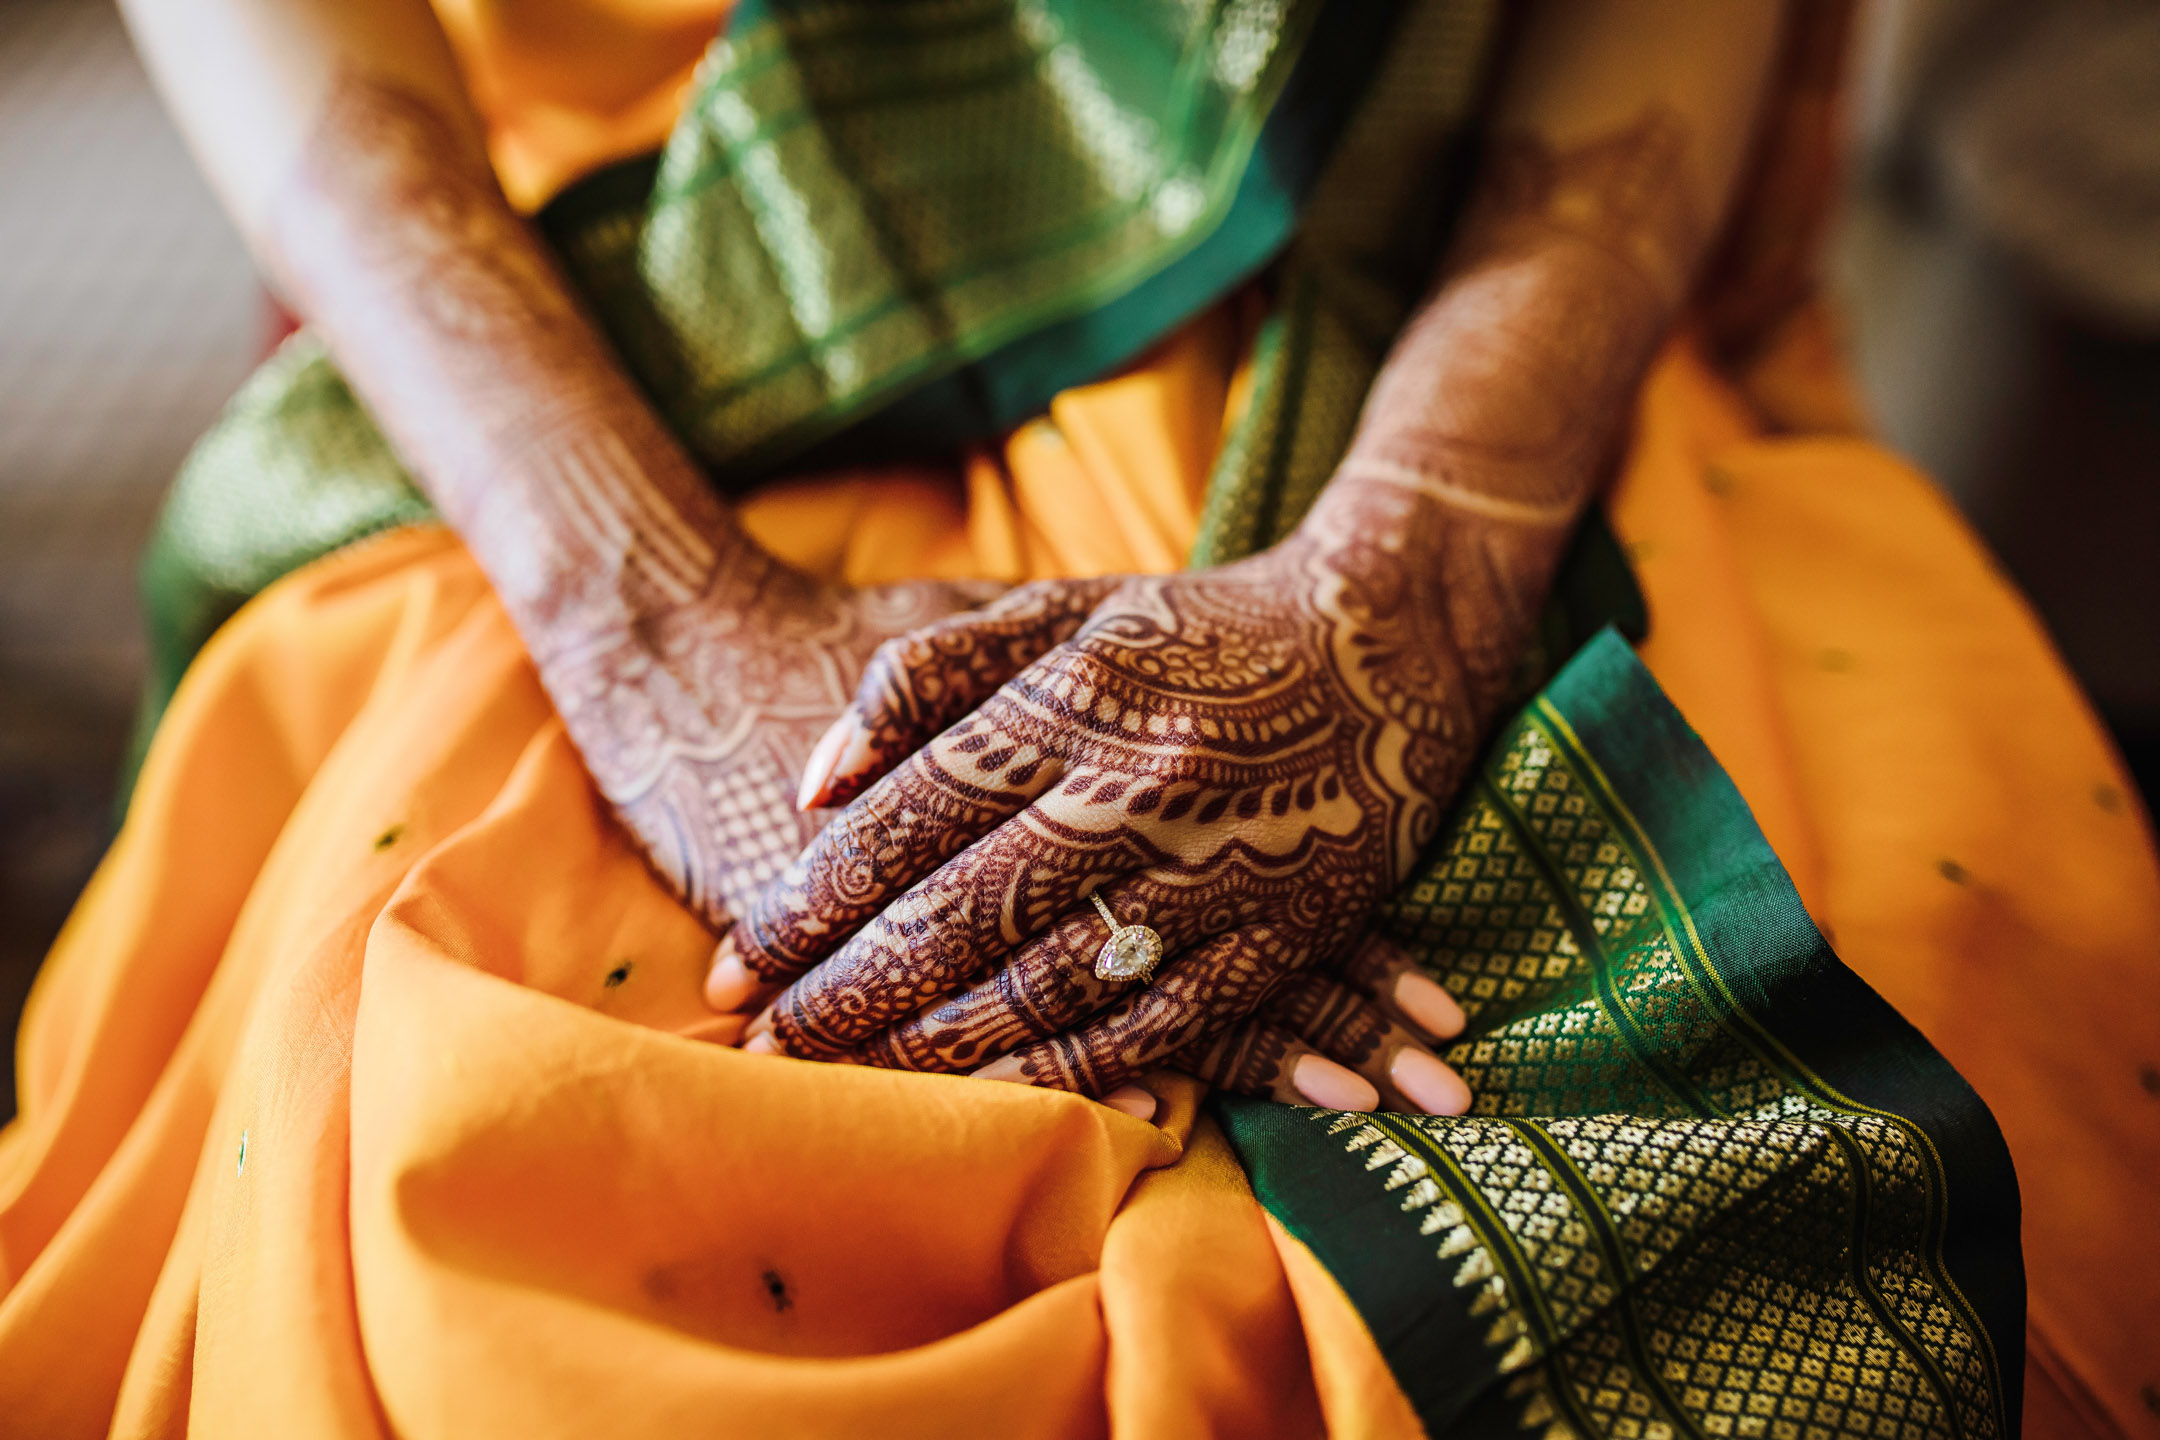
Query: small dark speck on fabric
(389,837)
(1953,872)
(617,975)
(776,1290)
(2149,1077)
(2108,798)
(1837,662)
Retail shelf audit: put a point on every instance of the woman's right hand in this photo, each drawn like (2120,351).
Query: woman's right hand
(697,719)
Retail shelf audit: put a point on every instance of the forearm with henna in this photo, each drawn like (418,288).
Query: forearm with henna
(692,671)
(1498,413)
(1488,431)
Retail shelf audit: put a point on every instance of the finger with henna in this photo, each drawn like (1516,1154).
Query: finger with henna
(918,684)
(1387,975)
(941,800)
(1350,1030)
(1184,1002)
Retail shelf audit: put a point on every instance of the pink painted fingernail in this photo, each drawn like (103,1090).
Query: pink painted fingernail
(818,770)
(1008,1068)
(1134,1101)
(1330,1086)
(761,1043)
(1429,1006)
(730,981)
(1427,1083)
(855,755)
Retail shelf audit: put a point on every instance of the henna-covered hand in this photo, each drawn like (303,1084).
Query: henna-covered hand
(1246,759)
(696,721)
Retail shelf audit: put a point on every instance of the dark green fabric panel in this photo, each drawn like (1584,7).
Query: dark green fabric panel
(1788,985)
(860,201)
(991,395)
(1711,1183)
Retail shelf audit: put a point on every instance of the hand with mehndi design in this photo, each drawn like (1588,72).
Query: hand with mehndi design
(696,717)
(1246,760)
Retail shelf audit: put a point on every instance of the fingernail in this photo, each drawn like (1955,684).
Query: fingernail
(854,756)
(1134,1101)
(762,1024)
(1330,1086)
(761,1044)
(1007,1068)
(1427,1083)
(1428,1005)
(818,771)
(729,982)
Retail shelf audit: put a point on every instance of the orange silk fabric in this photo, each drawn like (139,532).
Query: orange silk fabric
(363,1094)
(567,86)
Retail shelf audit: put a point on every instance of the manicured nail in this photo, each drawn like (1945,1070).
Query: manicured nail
(1427,1083)
(1429,1006)
(1330,1086)
(818,771)
(854,758)
(1134,1101)
(761,1044)
(729,982)
(762,1024)
(1007,1068)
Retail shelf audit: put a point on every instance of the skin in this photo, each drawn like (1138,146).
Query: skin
(695,673)
(1249,759)
(691,669)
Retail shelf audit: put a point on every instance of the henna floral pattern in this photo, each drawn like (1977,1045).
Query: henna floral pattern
(1245,759)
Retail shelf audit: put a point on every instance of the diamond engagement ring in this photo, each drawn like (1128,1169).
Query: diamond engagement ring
(1132,951)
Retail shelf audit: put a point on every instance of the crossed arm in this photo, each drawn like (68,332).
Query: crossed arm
(1245,759)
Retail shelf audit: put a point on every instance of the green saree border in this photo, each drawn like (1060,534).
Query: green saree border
(1763,1044)
(980,384)
(1749,939)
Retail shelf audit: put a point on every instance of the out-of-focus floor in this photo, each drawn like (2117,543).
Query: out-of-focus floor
(128,313)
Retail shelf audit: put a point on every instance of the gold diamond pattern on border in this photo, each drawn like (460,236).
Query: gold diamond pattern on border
(1725,1189)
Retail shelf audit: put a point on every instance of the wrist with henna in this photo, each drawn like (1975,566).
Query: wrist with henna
(451,320)
(1500,408)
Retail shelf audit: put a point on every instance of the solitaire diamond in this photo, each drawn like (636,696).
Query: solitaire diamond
(1132,952)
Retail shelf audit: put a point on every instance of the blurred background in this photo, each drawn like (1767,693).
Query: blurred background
(1998,265)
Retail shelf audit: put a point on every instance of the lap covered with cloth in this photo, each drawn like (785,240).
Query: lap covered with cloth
(367,1090)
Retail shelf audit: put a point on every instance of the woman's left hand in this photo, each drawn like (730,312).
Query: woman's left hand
(1243,760)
